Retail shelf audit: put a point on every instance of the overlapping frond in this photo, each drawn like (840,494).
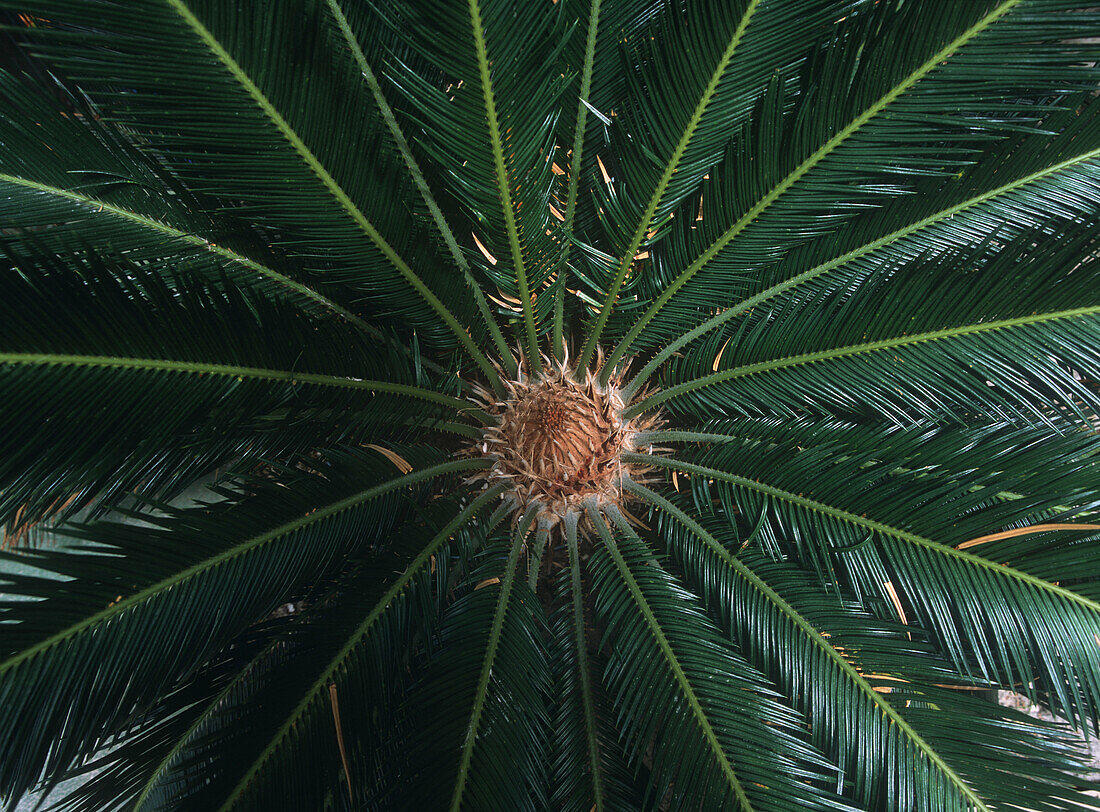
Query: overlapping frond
(125,592)
(991,619)
(853,665)
(657,155)
(311,179)
(951,219)
(711,719)
(350,40)
(589,766)
(920,99)
(948,252)
(487,130)
(104,193)
(262,780)
(479,710)
(155,378)
(265,679)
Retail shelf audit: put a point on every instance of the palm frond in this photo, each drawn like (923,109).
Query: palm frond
(485,119)
(244,713)
(589,765)
(770,607)
(707,53)
(157,379)
(309,191)
(445,232)
(479,708)
(904,91)
(998,203)
(130,584)
(104,193)
(707,727)
(259,781)
(991,619)
(147,758)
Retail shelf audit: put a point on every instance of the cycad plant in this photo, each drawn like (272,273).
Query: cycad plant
(593,404)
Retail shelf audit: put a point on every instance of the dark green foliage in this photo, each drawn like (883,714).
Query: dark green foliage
(265,251)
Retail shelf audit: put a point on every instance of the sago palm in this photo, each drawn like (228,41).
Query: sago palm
(594,404)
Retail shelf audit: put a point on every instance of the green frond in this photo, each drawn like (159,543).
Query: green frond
(904,92)
(262,779)
(957,483)
(246,711)
(771,608)
(1010,369)
(969,219)
(673,164)
(702,62)
(897,286)
(131,583)
(156,379)
(589,767)
(477,715)
(134,769)
(445,232)
(468,98)
(104,193)
(991,619)
(300,183)
(492,647)
(706,722)
(583,60)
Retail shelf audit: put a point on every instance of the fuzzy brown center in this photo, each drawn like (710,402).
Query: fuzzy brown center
(553,417)
(558,441)
(566,441)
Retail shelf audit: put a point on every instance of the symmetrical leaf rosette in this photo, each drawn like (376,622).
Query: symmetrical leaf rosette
(824,271)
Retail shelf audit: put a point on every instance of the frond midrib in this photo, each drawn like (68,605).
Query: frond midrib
(334,188)
(862,521)
(581,642)
(811,633)
(288,376)
(763,367)
(236,551)
(481,691)
(777,191)
(497,147)
(575,168)
(356,636)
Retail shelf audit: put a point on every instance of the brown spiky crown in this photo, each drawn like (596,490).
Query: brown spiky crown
(558,441)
